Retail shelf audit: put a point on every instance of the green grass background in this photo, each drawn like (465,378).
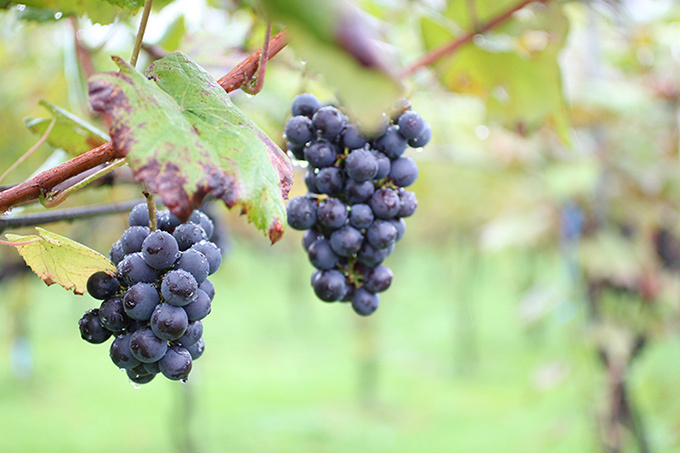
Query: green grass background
(445,365)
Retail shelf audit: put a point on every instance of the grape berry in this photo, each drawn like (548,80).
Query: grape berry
(356,201)
(154,304)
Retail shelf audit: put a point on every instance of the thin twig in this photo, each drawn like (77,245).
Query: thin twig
(83,212)
(44,182)
(447,49)
(33,149)
(140,32)
(245,70)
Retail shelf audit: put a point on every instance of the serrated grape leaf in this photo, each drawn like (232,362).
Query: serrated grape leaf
(69,132)
(58,259)
(185,139)
(515,69)
(335,41)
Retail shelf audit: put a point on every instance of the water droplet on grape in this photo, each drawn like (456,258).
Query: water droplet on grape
(183,381)
(135,385)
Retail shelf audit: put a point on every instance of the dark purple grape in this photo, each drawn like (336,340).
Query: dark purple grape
(332,213)
(91,328)
(361,165)
(404,171)
(358,192)
(160,249)
(146,346)
(176,363)
(423,139)
(140,300)
(116,254)
(201,218)
(361,216)
(102,285)
(329,121)
(346,241)
(169,322)
(134,269)
(179,287)
(301,213)
(305,104)
(196,350)
(353,138)
(371,257)
(310,180)
(199,308)
(330,180)
(193,333)
(151,368)
(120,352)
(112,314)
(364,302)
(139,216)
(211,252)
(299,130)
(378,279)
(384,164)
(195,263)
(188,234)
(391,143)
(138,378)
(298,151)
(385,203)
(409,203)
(321,153)
(411,125)
(309,237)
(208,288)
(132,239)
(322,256)
(168,221)
(381,234)
(329,286)
(400,225)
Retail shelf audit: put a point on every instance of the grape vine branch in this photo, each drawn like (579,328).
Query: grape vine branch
(44,182)
(447,49)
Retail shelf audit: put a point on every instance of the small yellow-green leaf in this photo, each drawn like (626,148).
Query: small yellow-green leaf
(58,259)
(69,132)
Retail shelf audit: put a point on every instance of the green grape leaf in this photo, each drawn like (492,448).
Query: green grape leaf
(69,132)
(129,4)
(97,10)
(514,69)
(338,43)
(58,259)
(185,139)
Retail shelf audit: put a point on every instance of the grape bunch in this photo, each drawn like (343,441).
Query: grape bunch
(356,203)
(154,304)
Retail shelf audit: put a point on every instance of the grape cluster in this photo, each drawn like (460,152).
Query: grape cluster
(154,304)
(356,203)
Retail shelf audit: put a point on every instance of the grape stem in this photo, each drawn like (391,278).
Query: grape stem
(151,206)
(44,182)
(140,32)
(447,49)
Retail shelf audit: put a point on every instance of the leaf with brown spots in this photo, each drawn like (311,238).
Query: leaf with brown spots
(185,139)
